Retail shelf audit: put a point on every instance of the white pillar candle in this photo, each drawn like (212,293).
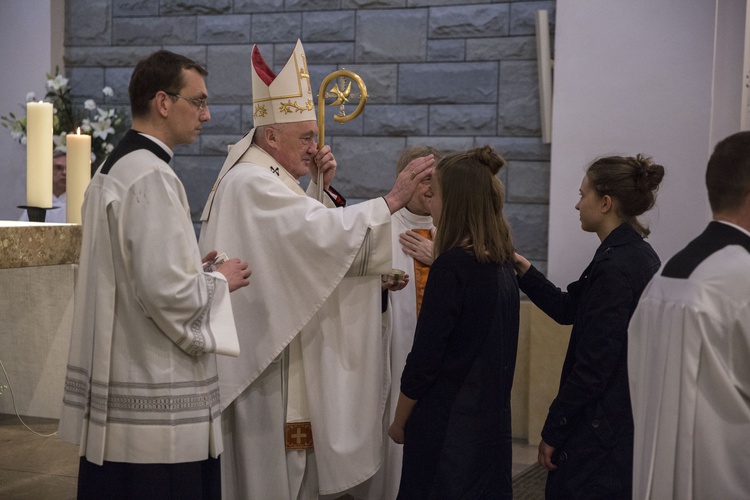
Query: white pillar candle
(39,154)
(79,174)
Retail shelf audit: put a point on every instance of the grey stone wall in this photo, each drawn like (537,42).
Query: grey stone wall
(454,74)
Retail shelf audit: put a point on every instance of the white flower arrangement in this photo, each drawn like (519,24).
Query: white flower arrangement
(104,124)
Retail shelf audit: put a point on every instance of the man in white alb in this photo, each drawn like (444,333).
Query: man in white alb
(689,351)
(141,390)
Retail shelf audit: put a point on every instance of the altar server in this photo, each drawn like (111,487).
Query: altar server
(689,351)
(141,390)
(312,362)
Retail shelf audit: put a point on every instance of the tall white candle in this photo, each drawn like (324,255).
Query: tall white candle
(39,154)
(79,174)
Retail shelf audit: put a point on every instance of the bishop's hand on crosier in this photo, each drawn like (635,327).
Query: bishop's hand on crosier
(325,163)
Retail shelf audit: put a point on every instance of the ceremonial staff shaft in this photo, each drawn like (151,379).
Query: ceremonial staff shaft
(342,96)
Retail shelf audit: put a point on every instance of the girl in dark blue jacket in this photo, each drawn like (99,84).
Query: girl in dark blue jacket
(587,439)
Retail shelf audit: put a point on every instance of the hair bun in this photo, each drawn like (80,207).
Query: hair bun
(488,157)
(648,175)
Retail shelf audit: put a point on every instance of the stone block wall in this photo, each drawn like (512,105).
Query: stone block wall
(454,74)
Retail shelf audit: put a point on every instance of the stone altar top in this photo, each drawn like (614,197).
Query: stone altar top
(31,244)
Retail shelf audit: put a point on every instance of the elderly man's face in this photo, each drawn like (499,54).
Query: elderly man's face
(296,146)
(59,174)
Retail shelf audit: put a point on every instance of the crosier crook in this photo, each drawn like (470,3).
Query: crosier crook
(342,97)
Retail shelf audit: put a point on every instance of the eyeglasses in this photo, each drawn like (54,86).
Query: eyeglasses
(199,102)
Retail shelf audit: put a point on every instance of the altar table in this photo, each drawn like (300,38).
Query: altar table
(38,265)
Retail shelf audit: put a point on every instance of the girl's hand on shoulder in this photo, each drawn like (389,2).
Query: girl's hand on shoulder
(520,264)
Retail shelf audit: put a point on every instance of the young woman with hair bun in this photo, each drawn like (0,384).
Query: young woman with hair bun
(453,413)
(587,439)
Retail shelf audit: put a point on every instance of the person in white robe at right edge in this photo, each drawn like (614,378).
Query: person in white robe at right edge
(305,401)
(689,351)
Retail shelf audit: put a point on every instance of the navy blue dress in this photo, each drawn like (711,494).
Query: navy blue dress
(457,440)
(590,422)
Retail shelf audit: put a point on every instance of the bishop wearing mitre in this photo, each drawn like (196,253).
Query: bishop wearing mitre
(303,405)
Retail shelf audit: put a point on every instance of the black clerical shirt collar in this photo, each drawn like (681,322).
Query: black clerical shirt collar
(134,141)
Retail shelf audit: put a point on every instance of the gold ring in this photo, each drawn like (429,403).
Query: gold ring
(413,175)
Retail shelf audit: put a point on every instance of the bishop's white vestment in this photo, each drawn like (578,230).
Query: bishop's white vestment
(310,331)
(140,386)
(689,370)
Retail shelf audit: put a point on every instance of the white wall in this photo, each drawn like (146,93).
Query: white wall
(729,55)
(25,56)
(637,76)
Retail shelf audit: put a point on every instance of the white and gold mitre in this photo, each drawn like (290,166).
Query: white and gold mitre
(283,98)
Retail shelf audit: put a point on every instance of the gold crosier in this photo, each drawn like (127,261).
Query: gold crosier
(342,93)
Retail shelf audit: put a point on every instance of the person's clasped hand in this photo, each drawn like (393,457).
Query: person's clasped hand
(234,270)
(237,273)
(393,286)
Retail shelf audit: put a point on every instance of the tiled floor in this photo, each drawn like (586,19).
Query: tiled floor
(524,455)
(33,467)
